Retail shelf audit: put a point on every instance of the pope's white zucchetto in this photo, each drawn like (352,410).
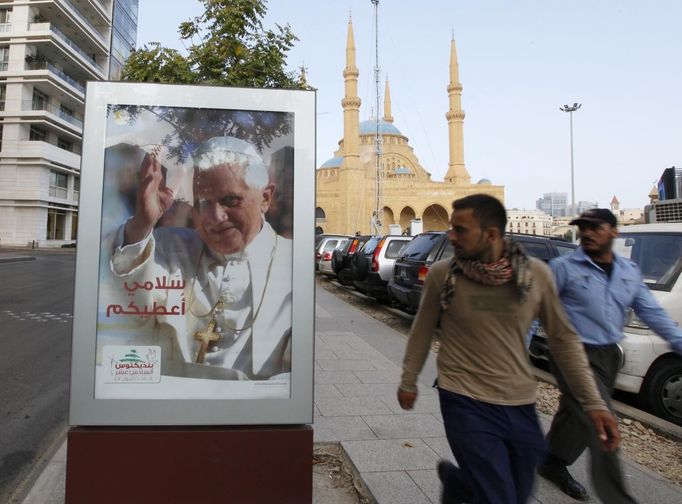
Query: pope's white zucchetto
(231,151)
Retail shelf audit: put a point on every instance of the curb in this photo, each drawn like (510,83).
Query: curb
(657,424)
(16,259)
(45,477)
(357,477)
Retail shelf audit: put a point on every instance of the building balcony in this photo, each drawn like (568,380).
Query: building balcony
(36,105)
(52,44)
(41,150)
(46,65)
(61,36)
(85,20)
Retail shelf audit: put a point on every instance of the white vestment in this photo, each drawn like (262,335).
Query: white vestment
(255,286)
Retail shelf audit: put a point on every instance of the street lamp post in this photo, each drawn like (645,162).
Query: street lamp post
(570,109)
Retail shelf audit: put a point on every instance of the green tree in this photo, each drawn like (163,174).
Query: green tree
(227,45)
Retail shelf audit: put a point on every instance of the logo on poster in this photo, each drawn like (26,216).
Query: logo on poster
(137,364)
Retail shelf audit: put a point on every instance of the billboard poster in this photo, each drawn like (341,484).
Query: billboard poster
(195,196)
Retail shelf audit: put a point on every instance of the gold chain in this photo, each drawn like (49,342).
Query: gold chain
(220,301)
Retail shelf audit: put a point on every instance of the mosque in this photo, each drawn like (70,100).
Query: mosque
(346,183)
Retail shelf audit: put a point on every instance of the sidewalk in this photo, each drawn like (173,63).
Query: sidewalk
(20,254)
(357,369)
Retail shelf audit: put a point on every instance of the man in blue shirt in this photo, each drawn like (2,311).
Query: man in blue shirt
(596,288)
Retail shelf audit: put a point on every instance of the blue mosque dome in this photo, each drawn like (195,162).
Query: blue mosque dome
(334,162)
(369,127)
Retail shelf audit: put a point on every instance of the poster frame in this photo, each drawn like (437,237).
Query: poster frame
(87,410)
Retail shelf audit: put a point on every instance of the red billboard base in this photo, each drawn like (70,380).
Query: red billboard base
(189,465)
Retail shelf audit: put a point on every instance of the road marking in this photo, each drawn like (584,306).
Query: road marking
(37,317)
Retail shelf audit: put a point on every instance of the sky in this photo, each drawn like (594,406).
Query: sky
(519,62)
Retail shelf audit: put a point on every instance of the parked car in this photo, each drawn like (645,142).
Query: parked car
(649,368)
(372,267)
(325,262)
(322,236)
(341,258)
(410,269)
(321,241)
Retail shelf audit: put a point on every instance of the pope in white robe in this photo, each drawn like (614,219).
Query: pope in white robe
(216,298)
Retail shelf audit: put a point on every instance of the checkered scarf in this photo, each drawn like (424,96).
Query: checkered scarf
(513,265)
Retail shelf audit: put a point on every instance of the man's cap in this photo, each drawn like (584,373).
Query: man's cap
(596,216)
(227,150)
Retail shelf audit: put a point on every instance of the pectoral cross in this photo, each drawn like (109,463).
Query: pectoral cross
(206,337)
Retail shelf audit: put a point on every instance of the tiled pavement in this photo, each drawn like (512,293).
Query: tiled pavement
(357,369)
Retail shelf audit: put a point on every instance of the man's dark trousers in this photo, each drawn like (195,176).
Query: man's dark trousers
(572,431)
(497,449)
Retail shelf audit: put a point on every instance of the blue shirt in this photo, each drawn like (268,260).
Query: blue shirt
(597,305)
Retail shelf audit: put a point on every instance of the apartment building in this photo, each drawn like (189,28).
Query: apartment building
(530,222)
(49,49)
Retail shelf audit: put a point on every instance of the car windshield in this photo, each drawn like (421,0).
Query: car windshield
(658,255)
(370,245)
(395,247)
(420,247)
(329,246)
(565,249)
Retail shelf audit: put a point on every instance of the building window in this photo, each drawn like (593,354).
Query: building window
(65,112)
(76,187)
(40,100)
(37,134)
(4,58)
(58,185)
(74,225)
(56,221)
(3,92)
(65,144)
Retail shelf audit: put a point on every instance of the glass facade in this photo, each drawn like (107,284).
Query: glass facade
(123,35)
(58,185)
(554,204)
(56,224)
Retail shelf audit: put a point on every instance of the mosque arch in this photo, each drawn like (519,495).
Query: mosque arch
(406,216)
(388,216)
(320,214)
(435,218)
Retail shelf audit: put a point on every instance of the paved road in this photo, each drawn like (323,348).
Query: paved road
(36,303)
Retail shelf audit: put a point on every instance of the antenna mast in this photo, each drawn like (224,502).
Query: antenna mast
(377,216)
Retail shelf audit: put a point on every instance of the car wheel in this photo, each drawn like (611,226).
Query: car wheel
(661,391)
(337,261)
(359,266)
(344,276)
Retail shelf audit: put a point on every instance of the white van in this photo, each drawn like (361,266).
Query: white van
(649,367)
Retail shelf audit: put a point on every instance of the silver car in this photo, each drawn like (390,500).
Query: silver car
(372,267)
(325,251)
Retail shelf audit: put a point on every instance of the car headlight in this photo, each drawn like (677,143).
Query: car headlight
(634,321)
